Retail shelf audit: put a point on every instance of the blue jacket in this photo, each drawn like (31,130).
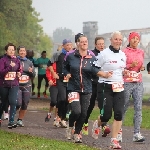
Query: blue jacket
(81,70)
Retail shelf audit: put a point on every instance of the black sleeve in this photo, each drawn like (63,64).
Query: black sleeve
(148,67)
(49,63)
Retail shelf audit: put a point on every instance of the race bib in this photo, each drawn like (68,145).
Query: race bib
(44,66)
(10,76)
(24,79)
(133,76)
(117,87)
(73,96)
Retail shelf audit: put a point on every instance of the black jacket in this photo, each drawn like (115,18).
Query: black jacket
(81,70)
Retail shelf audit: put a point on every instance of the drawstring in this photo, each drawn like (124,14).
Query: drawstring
(104,102)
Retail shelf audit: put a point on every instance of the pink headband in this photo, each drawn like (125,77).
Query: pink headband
(133,34)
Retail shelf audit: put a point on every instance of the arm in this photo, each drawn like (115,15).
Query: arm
(66,67)
(3,70)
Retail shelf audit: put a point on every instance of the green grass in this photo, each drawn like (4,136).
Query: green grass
(13,141)
(129,116)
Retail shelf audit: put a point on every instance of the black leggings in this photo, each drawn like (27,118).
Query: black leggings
(9,94)
(92,102)
(23,97)
(53,95)
(108,101)
(40,78)
(62,99)
(79,112)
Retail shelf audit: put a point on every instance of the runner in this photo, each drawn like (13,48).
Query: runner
(42,65)
(78,68)
(53,93)
(133,82)
(9,82)
(24,84)
(61,82)
(30,56)
(110,91)
(99,46)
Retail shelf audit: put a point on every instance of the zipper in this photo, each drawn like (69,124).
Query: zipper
(81,79)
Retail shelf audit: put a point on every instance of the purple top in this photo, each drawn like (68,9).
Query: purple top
(6,68)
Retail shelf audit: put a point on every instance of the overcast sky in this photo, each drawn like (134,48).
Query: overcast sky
(111,15)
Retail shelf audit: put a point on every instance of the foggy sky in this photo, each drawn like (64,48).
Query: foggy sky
(111,15)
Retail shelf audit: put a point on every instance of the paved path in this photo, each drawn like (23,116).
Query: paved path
(35,125)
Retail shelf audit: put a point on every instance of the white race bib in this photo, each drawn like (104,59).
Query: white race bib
(133,76)
(10,76)
(117,87)
(24,79)
(44,66)
(73,96)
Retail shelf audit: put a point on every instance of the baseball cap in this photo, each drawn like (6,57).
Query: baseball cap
(65,41)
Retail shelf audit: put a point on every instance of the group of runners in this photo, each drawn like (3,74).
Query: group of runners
(76,78)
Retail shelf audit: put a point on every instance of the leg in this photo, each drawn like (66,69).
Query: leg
(46,84)
(92,102)
(128,88)
(84,102)
(40,78)
(118,106)
(137,97)
(12,101)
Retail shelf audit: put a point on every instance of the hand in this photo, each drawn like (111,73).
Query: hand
(142,68)
(12,64)
(108,74)
(18,74)
(55,75)
(68,76)
(134,63)
(30,69)
(50,83)
(125,72)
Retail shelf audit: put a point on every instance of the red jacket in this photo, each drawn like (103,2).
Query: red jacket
(49,75)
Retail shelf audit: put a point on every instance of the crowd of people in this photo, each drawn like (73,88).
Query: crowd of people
(76,78)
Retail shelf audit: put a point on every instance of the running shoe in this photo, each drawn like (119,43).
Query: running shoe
(63,124)
(85,129)
(6,116)
(77,138)
(20,123)
(12,125)
(119,136)
(115,144)
(69,132)
(57,122)
(95,130)
(47,118)
(38,95)
(105,130)
(138,138)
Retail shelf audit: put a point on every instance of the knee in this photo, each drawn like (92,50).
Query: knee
(105,118)
(76,112)
(118,116)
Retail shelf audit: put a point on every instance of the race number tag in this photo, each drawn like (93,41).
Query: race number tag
(10,76)
(44,66)
(24,79)
(117,87)
(73,96)
(133,76)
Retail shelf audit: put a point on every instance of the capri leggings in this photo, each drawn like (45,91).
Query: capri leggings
(53,95)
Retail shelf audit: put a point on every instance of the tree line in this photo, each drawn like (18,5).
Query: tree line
(19,24)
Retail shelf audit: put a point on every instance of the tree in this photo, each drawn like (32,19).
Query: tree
(20,25)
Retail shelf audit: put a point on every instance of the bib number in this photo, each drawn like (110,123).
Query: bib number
(10,76)
(24,79)
(117,87)
(44,66)
(73,96)
(133,76)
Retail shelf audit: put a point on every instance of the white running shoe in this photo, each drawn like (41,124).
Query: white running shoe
(138,137)
(95,130)
(6,116)
(119,136)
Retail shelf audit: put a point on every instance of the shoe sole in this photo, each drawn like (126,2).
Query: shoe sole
(111,147)
(10,127)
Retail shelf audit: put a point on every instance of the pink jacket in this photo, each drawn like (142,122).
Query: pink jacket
(134,55)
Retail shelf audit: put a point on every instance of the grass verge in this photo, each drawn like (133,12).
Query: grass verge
(13,141)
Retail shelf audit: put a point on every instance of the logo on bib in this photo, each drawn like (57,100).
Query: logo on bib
(73,96)
(117,87)
(10,76)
